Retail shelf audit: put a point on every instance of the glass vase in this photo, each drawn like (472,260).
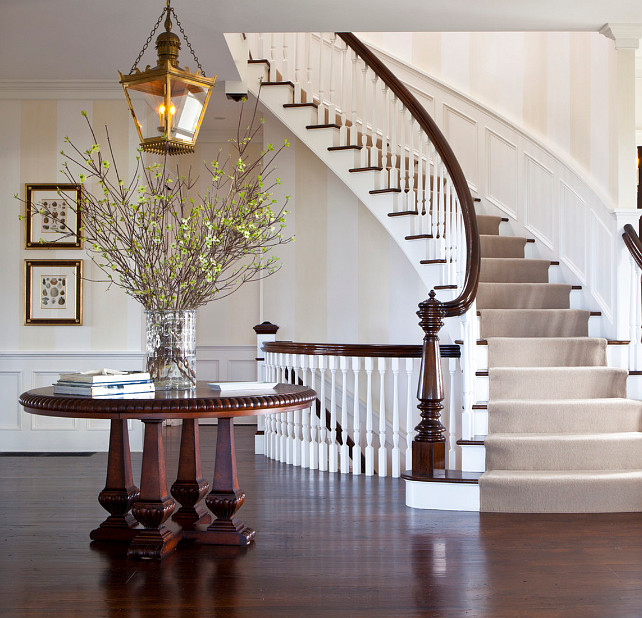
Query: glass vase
(171,348)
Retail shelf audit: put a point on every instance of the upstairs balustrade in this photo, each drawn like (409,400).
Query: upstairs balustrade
(634,245)
(366,412)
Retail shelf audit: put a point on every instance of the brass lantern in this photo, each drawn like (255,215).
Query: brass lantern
(168,103)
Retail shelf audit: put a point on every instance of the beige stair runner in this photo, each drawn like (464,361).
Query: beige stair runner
(563,437)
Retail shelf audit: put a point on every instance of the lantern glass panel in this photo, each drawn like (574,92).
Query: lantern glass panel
(187,101)
(148,103)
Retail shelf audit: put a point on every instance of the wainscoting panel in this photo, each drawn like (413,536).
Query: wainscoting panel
(461,132)
(10,411)
(574,229)
(539,203)
(603,253)
(501,157)
(22,371)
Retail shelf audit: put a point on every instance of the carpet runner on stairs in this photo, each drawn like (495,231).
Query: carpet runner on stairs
(563,437)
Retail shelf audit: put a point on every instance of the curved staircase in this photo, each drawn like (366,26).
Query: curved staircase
(562,436)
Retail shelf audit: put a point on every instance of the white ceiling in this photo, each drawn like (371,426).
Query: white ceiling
(90,39)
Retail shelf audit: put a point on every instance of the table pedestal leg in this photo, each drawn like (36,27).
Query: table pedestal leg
(154,505)
(226,498)
(120,492)
(190,486)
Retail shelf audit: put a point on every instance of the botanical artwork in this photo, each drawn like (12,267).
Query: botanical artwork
(53,291)
(53,216)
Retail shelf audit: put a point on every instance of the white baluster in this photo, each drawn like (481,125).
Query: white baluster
(289,440)
(285,57)
(364,124)
(333,463)
(410,411)
(346,88)
(383,452)
(369,362)
(394,121)
(468,377)
(323,441)
(260,48)
(403,184)
(283,425)
(309,90)
(314,421)
(305,416)
(356,419)
(345,451)
(321,77)
(396,453)
(268,417)
(273,62)
(354,134)
(374,151)
(384,126)
(412,198)
(298,52)
(452,417)
(296,442)
(421,170)
(332,106)
(634,311)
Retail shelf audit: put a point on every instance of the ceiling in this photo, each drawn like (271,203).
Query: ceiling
(90,39)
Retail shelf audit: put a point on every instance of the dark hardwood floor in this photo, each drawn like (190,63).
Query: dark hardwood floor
(326,545)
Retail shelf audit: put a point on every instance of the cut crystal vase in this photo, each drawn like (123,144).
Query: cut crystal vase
(171,348)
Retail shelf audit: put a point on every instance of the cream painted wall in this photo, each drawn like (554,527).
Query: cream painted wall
(343,279)
(560,86)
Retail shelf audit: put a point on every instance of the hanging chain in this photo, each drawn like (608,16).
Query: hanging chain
(168,10)
(189,45)
(149,40)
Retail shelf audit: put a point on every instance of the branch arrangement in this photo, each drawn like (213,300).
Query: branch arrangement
(163,245)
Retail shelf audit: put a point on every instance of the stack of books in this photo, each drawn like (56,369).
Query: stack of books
(104,383)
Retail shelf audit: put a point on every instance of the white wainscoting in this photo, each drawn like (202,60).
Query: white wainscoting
(22,371)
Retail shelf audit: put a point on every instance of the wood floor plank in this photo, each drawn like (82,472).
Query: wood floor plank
(326,544)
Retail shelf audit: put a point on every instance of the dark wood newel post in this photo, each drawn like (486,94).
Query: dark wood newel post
(429,444)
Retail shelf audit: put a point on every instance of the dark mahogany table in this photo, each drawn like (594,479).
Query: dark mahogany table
(148,531)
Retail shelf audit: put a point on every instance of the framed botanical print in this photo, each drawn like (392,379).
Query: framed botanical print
(53,292)
(53,216)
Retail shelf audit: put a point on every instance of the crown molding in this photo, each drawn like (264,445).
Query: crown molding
(60,89)
(626,36)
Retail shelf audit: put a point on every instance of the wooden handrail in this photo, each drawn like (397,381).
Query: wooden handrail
(633,243)
(355,350)
(459,305)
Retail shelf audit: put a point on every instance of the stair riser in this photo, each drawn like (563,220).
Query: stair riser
(442,496)
(519,296)
(534,384)
(578,495)
(594,330)
(473,458)
(551,454)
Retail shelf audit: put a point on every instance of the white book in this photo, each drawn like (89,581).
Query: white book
(242,386)
(89,390)
(102,376)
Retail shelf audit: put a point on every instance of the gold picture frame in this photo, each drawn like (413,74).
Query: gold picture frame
(53,216)
(53,292)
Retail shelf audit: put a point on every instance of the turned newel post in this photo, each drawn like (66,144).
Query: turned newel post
(265,331)
(429,445)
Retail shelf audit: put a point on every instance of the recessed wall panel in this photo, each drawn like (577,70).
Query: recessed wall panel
(574,226)
(502,173)
(10,410)
(539,205)
(602,253)
(461,133)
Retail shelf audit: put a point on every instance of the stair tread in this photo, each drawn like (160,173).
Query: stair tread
(330,125)
(419,237)
(372,168)
(402,213)
(444,476)
(333,148)
(284,83)
(289,105)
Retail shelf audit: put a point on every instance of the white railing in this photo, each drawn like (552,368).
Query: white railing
(385,133)
(364,418)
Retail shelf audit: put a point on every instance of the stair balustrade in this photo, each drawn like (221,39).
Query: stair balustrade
(364,417)
(634,245)
(351,92)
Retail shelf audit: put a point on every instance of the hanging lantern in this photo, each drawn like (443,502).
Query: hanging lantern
(168,103)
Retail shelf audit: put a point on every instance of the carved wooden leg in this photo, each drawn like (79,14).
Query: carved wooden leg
(225,498)
(154,505)
(190,486)
(120,492)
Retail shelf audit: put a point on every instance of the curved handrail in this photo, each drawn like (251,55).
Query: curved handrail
(633,243)
(356,350)
(461,304)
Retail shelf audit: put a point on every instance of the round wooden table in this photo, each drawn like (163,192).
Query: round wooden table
(149,532)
